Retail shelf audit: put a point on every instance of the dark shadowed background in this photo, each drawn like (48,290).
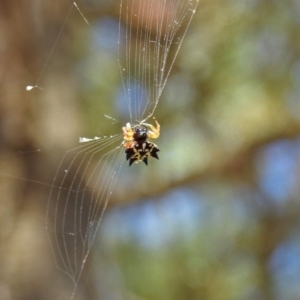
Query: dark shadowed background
(218,216)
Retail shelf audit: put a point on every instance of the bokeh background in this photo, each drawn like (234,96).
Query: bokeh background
(218,216)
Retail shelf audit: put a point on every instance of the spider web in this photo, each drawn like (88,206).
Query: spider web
(81,189)
(153,29)
(86,176)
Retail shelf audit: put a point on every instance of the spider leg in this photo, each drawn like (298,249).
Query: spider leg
(155,131)
(127,144)
(128,132)
(128,135)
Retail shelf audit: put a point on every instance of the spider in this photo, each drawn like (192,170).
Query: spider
(136,142)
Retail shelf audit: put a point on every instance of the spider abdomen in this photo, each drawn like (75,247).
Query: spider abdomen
(140,151)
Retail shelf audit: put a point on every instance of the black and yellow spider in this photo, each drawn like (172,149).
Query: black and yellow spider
(136,142)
